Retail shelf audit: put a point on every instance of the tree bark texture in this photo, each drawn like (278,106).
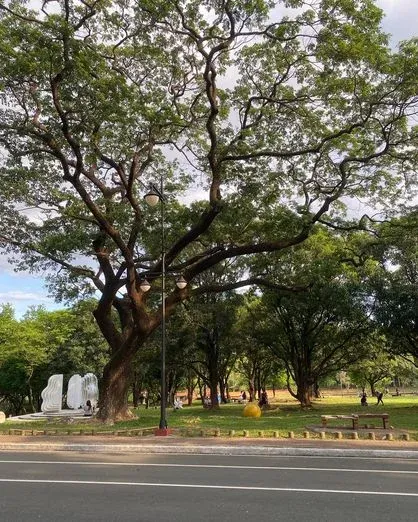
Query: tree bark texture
(113,396)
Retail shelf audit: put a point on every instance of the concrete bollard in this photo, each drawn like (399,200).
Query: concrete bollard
(276,434)
(322,435)
(291,435)
(261,434)
(405,436)
(245,433)
(217,433)
(231,433)
(389,436)
(338,435)
(371,436)
(306,434)
(354,435)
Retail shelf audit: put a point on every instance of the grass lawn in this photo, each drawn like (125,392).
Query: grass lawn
(285,416)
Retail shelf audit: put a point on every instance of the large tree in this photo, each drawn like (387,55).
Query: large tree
(258,104)
(212,342)
(256,361)
(380,367)
(396,287)
(321,328)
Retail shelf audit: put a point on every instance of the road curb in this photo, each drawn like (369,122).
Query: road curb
(210,450)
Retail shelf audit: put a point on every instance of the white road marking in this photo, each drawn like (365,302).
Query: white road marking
(206,466)
(210,486)
(323,457)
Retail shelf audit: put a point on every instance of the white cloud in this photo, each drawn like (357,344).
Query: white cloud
(17,295)
(400,19)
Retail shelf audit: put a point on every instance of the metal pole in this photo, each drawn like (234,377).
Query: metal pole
(163,418)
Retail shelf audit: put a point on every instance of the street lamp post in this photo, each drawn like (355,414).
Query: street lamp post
(152,198)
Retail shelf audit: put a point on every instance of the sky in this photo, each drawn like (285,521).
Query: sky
(23,290)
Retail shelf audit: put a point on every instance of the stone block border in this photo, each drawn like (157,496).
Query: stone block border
(202,433)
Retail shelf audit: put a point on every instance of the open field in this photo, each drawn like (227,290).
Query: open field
(285,416)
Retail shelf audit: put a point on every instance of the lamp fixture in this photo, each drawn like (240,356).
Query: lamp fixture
(152,198)
(144,285)
(181,282)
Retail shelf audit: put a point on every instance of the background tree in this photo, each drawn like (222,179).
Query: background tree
(378,367)
(13,375)
(319,330)
(44,343)
(96,97)
(397,287)
(255,362)
(215,349)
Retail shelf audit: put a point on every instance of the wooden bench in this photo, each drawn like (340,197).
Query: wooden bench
(354,417)
(383,416)
(326,418)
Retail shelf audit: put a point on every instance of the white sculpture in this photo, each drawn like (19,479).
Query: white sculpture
(74,392)
(80,390)
(52,394)
(90,389)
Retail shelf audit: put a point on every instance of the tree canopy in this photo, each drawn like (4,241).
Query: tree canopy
(396,288)
(277,111)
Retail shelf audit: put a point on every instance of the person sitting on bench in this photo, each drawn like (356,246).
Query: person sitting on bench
(88,409)
(242,397)
(263,399)
(178,404)
(363,400)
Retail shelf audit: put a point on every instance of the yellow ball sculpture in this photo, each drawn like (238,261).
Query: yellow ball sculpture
(252,410)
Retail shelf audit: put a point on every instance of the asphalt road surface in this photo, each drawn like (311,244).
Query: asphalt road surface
(54,487)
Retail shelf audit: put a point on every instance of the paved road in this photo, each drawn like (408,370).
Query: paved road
(55,487)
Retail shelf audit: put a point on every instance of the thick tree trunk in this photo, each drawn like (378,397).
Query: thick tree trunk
(251,390)
(135,401)
(303,394)
(113,396)
(222,391)
(30,393)
(258,380)
(171,396)
(191,385)
(303,388)
(214,402)
(30,399)
(202,391)
(136,390)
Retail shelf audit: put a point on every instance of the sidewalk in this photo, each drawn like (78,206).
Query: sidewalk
(214,446)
